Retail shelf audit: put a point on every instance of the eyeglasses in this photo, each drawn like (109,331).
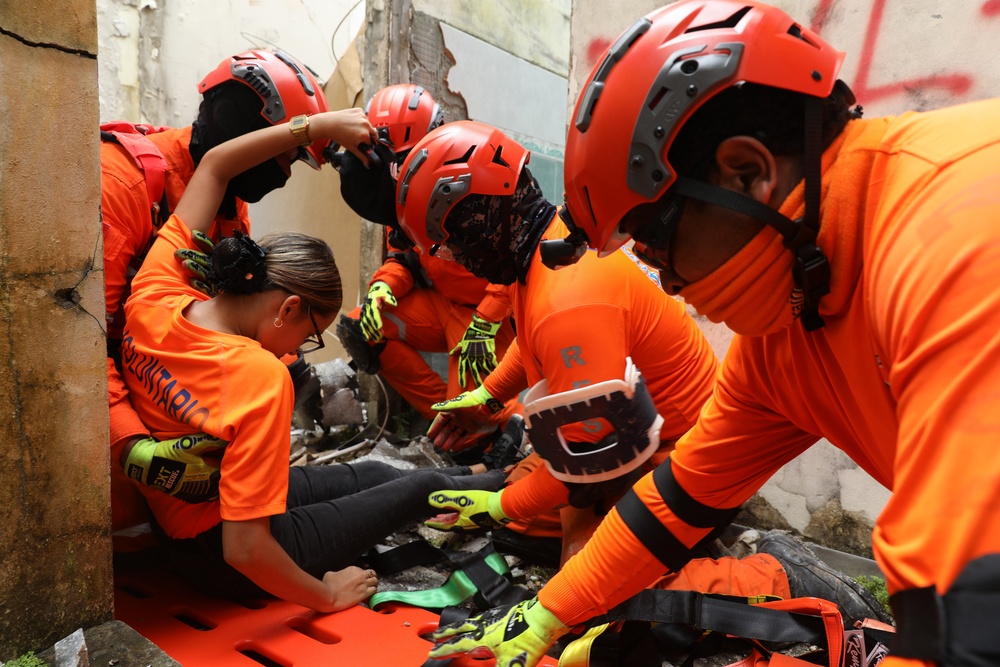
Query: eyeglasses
(315,341)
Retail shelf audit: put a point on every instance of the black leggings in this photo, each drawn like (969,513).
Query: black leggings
(335,514)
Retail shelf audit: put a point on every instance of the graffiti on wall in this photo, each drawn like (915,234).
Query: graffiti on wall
(957,83)
(950,80)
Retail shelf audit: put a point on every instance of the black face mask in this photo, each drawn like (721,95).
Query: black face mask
(497,236)
(254,183)
(231,110)
(370,191)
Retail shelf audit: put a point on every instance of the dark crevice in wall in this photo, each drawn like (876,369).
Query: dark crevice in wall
(55,47)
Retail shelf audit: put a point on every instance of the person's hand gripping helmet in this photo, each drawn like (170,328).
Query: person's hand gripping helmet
(285,86)
(650,81)
(457,160)
(404,113)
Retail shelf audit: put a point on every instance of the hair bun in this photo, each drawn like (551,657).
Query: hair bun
(239,264)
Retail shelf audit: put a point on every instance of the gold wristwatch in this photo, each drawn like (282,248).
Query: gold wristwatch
(299,125)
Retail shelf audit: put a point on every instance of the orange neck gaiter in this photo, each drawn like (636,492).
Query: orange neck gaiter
(753,291)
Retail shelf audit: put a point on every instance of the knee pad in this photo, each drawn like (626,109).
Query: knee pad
(362,353)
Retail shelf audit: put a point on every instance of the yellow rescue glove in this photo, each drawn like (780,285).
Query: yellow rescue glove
(517,636)
(463,420)
(178,466)
(477,350)
(467,510)
(371,316)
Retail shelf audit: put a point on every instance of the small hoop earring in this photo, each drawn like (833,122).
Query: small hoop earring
(278,324)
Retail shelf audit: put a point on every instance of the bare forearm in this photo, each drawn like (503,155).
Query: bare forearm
(204,193)
(250,548)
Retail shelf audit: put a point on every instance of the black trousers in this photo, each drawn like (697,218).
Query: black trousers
(335,514)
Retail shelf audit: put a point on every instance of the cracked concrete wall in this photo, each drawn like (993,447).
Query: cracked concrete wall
(506,64)
(901,54)
(55,569)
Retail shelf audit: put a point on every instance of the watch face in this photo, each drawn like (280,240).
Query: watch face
(300,128)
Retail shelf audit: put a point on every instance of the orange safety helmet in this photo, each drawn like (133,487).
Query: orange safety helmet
(454,161)
(286,87)
(407,112)
(653,78)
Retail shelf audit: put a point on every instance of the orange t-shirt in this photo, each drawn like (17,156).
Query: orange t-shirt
(903,378)
(128,235)
(186,379)
(576,326)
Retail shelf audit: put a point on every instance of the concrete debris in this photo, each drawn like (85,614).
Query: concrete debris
(334,375)
(71,651)
(338,390)
(342,407)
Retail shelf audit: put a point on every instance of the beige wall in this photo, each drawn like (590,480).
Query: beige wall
(55,551)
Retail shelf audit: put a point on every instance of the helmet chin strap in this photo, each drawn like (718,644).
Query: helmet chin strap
(556,253)
(811,271)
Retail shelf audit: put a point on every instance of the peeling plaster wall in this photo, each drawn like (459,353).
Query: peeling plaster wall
(55,549)
(901,54)
(508,63)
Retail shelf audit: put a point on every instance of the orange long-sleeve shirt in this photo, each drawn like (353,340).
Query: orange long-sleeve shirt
(903,378)
(128,235)
(186,379)
(577,325)
(451,279)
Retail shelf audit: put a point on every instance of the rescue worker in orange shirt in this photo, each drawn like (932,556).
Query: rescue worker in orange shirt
(857,260)
(585,332)
(233,104)
(415,302)
(212,364)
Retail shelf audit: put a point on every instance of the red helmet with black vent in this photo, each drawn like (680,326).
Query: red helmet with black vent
(407,112)
(456,160)
(286,87)
(653,78)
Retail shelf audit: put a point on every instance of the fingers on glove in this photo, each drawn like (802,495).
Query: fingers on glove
(450,501)
(204,288)
(188,257)
(458,630)
(443,521)
(204,243)
(201,443)
(440,422)
(196,268)
(371,325)
(479,369)
(449,432)
(461,401)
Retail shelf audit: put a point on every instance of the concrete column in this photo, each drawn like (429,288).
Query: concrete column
(55,548)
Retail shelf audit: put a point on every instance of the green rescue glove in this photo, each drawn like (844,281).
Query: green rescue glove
(517,636)
(477,350)
(371,318)
(178,467)
(464,419)
(199,263)
(467,510)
